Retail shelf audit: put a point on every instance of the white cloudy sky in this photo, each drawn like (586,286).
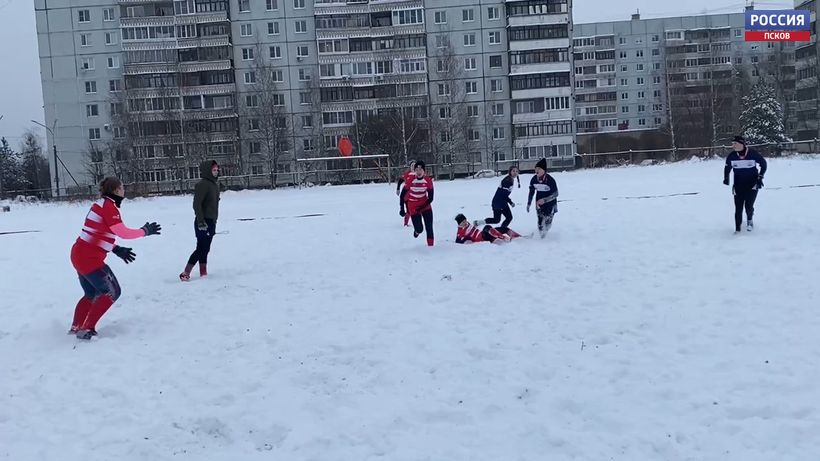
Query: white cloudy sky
(21,97)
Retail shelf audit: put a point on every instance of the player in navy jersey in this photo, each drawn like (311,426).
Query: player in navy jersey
(748,180)
(545,190)
(502,202)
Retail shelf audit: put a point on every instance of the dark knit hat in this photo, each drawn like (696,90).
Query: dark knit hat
(542,164)
(460,218)
(739,139)
(422,165)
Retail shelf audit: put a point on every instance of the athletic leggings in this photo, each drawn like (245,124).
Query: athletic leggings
(203,243)
(545,214)
(497,213)
(418,227)
(744,198)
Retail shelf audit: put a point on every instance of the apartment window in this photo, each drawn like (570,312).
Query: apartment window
(113,62)
(444,113)
(255,147)
(622,40)
(494,38)
(496,86)
(298,4)
(656,80)
(623,54)
(656,93)
(493,13)
(441,17)
(469,64)
(278,100)
(108,14)
(443,89)
(640,81)
(246,30)
(302,51)
(471,87)
(277,76)
(498,109)
(244,6)
(755,59)
(114,85)
(301,27)
(84,16)
(251,101)
(639,54)
(495,62)
(641,108)
(253,124)
(498,133)
(639,67)
(92,110)
(304,75)
(304,98)
(307,121)
(110,38)
(467,15)
(250,78)
(625,109)
(474,135)
(247,54)
(624,96)
(119,132)
(657,107)
(307,144)
(85,39)
(90,87)
(442,41)
(275,52)
(641,94)
(738,33)
(472,111)
(656,52)
(624,82)
(658,121)
(271,5)
(469,39)
(656,66)
(273,28)
(642,122)
(656,38)
(624,68)
(93,133)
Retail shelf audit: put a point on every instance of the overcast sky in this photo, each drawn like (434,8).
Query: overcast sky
(21,98)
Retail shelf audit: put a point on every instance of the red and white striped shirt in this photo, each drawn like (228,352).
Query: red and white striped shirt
(97,229)
(417,189)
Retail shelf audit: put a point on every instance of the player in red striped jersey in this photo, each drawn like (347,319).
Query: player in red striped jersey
(418,195)
(402,180)
(103,225)
(469,233)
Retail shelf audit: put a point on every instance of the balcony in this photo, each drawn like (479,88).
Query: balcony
(540,68)
(373,104)
(207,90)
(369,56)
(142,21)
(204,42)
(367,32)
(547,43)
(533,117)
(179,139)
(137,69)
(356,7)
(153,44)
(538,20)
(370,80)
(536,93)
(202,18)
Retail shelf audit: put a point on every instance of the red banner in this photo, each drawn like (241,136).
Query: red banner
(791,36)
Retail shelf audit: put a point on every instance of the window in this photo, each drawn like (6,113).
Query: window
(298,4)
(639,40)
(93,133)
(494,38)
(302,51)
(244,6)
(496,86)
(110,38)
(642,122)
(255,147)
(304,98)
(467,15)
(246,30)
(92,110)
(119,132)
(301,27)
(277,76)
(469,64)
(492,13)
(639,54)
(84,16)
(474,135)
(624,68)
(275,52)
(443,89)
(108,14)
(445,113)
(273,28)
(642,95)
(495,62)
(498,133)
(656,80)
(114,85)
(639,67)
(472,111)
(250,78)
(90,87)
(442,41)
(271,5)
(624,96)
(623,54)
(471,87)
(469,39)
(304,75)
(738,33)
(253,124)
(441,17)
(622,40)
(656,52)
(307,121)
(405,17)
(625,109)
(307,144)
(641,108)
(656,66)
(676,35)
(498,109)
(640,81)
(251,101)
(278,99)
(113,62)
(85,39)
(656,38)
(657,107)
(247,54)
(656,94)
(624,82)
(658,121)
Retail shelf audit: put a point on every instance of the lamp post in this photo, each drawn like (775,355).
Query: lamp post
(54,147)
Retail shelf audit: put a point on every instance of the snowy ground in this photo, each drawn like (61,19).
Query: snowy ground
(641,329)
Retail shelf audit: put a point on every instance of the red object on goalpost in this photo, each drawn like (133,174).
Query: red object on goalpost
(345,147)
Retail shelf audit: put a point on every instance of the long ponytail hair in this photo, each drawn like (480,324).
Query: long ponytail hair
(517,178)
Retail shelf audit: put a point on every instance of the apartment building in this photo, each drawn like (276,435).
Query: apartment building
(147,88)
(807,95)
(681,75)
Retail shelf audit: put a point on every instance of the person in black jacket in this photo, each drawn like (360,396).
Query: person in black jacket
(206,212)
(545,190)
(502,202)
(748,180)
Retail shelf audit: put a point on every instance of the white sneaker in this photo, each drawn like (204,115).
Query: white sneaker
(750,226)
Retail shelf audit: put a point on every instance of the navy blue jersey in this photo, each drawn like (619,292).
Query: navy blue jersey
(543,188)
(502,195)
(745,168)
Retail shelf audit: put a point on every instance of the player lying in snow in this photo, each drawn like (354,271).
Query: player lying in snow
(468,233)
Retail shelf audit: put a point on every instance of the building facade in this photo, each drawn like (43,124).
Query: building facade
(678,78)
(147,88)
(807,96)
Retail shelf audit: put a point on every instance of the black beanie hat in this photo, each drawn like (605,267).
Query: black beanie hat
(542,164)
(739,139)
(420,164)
(460,218)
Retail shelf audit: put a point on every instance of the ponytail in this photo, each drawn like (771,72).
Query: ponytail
(518,178)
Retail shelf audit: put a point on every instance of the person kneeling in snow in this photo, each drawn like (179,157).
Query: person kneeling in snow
(468,233)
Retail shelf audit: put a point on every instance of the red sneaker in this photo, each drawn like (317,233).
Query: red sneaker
(183,277)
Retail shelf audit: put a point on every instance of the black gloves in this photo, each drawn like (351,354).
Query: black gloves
(124,253)
(726,181)
(402,212)
(151,229)
(760,182)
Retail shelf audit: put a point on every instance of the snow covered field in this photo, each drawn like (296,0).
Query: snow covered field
(640,329)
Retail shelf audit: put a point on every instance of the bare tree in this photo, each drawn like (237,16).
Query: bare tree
(450,121)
